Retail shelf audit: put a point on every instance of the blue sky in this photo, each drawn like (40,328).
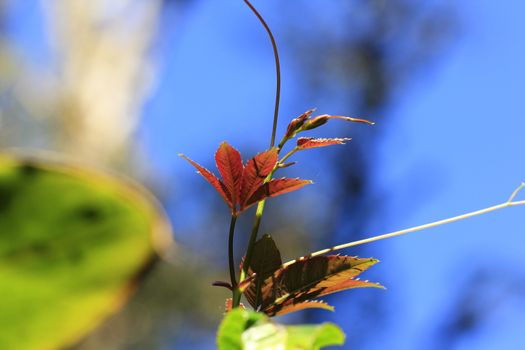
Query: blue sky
(458,146)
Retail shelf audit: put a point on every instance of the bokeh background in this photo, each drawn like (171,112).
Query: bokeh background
(129,84)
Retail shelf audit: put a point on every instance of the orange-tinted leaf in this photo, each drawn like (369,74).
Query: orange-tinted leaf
(279,310)
(214,181)
(276,187)
(311,278)
(266,259)
(256,170)
(297,123)
(310,142)
(229,163)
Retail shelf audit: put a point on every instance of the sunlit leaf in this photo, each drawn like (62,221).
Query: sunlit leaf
(297,305)
(310,142)
(314,337)
(230,166)
(229,335)
(275,188)
(255,172)
(73,244)
(248,330)
(310,278)
(214,181)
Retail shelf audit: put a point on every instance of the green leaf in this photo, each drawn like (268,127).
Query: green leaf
(229,336)
(265,336)
(73,244)
(243,330)
(314,337)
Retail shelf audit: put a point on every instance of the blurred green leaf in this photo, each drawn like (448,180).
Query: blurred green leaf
(73,244)
(314,336)
(243,330)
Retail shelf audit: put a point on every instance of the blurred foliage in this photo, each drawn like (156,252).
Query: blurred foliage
(80,92)
(242,329)
(73,244)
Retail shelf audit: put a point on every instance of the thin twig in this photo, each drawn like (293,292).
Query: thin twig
(515,193)
(509,203)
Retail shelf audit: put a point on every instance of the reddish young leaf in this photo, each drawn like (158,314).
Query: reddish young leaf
(214,181)
(310,142)
(255,172)
(297,123)
(310,278)
(291,307)
(266,260)
(229,163)
(275,188)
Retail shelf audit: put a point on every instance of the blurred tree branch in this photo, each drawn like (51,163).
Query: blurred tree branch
(88,101)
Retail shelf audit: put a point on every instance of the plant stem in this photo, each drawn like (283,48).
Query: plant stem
(287,155)
(260,207)
(249,251)
(509,203)
(230,251)
(277,70)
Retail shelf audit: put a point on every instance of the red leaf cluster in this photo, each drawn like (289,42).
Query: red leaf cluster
(278,290)
(241,186)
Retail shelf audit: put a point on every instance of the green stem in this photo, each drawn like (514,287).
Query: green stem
(230,251)
(287,155)
(249,251)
